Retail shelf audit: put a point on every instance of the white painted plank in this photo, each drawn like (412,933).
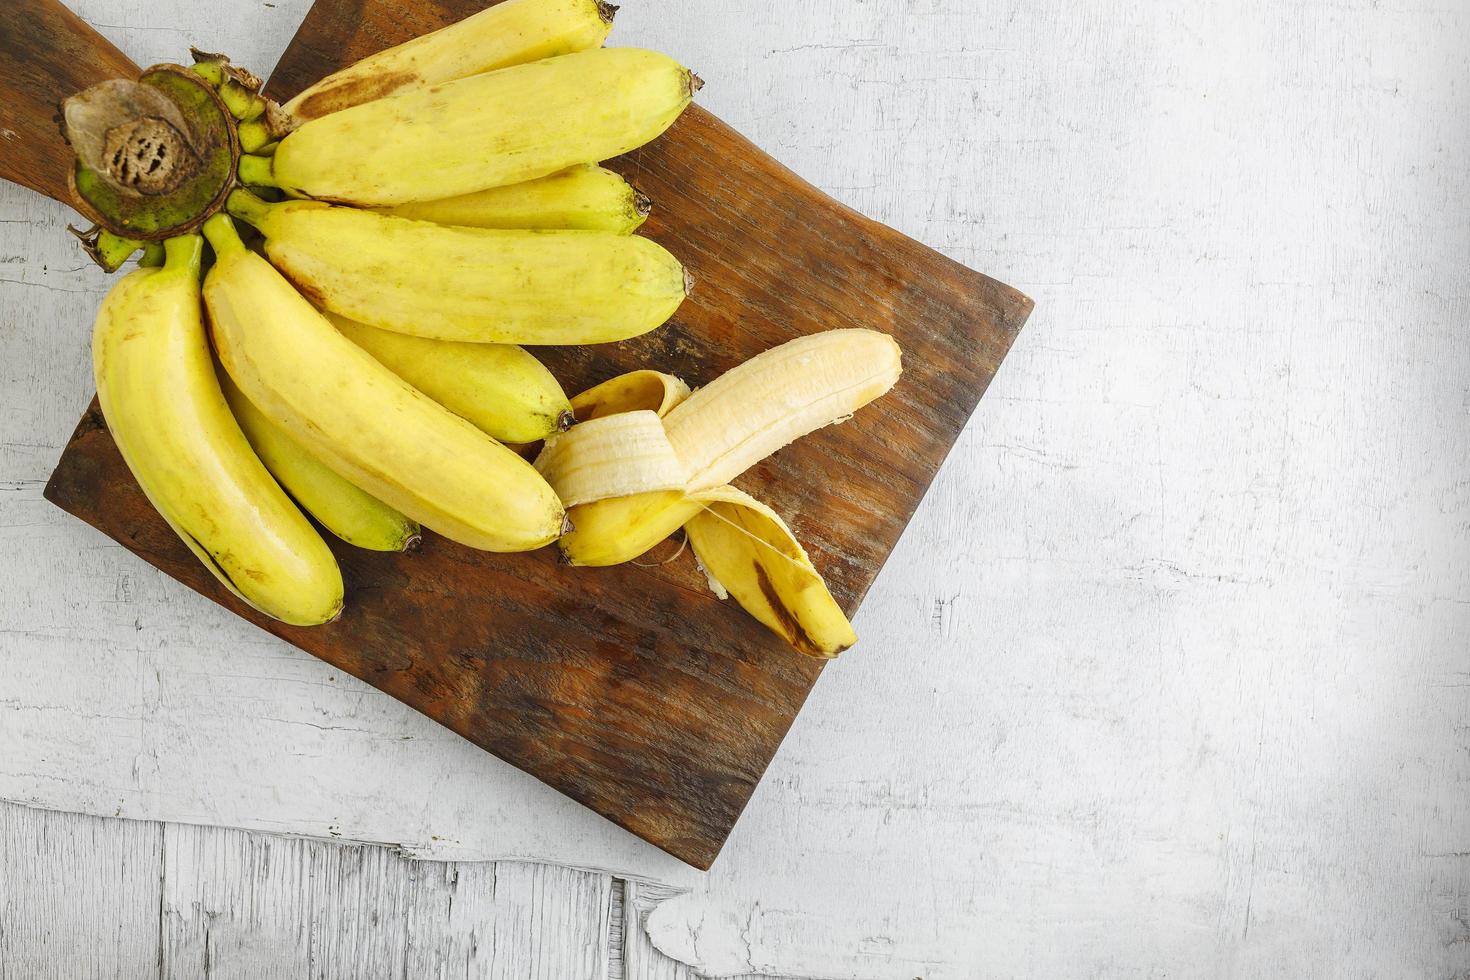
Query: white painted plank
(79,897)
(255,906)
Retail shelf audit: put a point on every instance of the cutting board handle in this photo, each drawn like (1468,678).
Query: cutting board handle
(46,54)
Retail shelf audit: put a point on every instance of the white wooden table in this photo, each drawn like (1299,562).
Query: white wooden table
(1169,677)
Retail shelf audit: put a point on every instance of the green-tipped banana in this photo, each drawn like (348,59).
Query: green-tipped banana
(504,127)
(511,33)
(472,284)
(500,388)
(352,515)
(586,198)
(157,385)
(367,424)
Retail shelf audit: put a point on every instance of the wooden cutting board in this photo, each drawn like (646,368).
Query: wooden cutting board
(633,690)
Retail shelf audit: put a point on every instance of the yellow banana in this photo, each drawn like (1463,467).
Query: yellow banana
(471,284)
(500,388)
(589,198)
(502,127)
(362,420)
(159,392)
(352,515)
(509,33)
(713,436)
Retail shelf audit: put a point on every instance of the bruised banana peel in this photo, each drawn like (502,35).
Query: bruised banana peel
(650,457)
(501,127)
(510,33)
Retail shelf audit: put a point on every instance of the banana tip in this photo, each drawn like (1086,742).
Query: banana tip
(688,282)
(695,84)
(608,11)
(564,421)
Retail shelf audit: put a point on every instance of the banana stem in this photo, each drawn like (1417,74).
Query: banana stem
(153,256)
(223,237)
(184,253)
(210,72)
(257,171)
(243,104)
(255,135)
(246,206)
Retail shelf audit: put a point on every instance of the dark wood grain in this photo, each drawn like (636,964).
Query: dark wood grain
(632,689)
(47,53)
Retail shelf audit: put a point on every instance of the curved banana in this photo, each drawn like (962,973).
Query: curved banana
(501,388)
(159,392)
(502,127)
(473,284)
(352,515)
(713,436)
(586,198)
(362,420)
(510,33)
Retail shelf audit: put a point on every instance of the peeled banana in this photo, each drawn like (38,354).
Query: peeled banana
(367,424)
(489,130)
(349,513)
(711,437)
(650,457)
(510,33)
(503,390)
(162,401)
(589,198)
(472,284)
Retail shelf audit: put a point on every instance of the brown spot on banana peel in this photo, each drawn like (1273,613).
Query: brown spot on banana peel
(350,92)
(312,295)
(791,627)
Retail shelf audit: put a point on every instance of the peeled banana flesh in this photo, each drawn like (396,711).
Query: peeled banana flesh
(352,515)
(714,435)
(510,33)
(470,284)
(650,458)
(488,130)
(162,401)
(500,388)
(363,421)
(586,198)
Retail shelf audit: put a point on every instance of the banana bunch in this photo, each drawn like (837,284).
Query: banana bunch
(411,222)
(649,457)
